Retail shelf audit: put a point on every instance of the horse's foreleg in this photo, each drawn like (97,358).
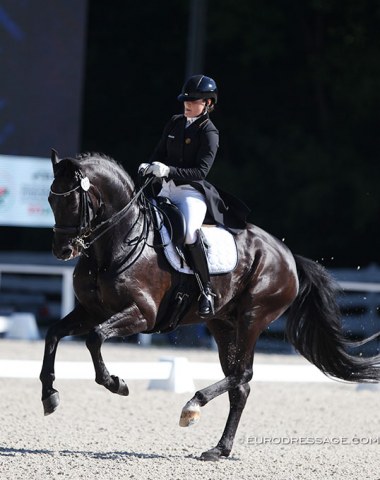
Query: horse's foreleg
(122,324)
(72,324)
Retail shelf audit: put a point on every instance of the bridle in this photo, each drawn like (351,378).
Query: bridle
(86,207)
(83,232)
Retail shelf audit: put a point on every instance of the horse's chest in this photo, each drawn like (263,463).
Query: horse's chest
(86,287)
(94,288)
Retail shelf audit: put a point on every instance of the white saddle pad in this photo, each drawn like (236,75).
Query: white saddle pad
(221,249)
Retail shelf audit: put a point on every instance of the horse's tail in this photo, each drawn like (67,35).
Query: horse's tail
(314,327)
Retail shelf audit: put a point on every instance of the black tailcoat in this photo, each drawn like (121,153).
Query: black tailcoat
(190,153)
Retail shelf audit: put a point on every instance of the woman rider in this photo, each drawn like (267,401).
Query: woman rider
(182,160)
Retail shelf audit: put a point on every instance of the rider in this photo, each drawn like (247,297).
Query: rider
(182,160)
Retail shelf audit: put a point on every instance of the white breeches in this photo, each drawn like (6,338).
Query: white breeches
(190,202)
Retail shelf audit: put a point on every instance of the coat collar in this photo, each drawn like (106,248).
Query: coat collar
(201,120)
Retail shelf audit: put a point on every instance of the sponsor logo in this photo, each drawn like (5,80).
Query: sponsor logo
(5,190)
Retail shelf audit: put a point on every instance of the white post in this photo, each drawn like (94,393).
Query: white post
(68,297)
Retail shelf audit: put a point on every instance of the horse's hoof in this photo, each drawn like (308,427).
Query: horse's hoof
(190,415)
(213,455)
(121,386)
(51,403)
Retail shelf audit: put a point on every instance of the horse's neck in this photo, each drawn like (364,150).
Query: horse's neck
(121,215)
(117,192)
(120,240)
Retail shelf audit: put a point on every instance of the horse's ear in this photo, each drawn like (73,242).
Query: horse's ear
(54,157)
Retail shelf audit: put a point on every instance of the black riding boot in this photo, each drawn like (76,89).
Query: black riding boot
(199,264)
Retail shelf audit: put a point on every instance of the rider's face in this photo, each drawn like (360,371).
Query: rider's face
(194,108)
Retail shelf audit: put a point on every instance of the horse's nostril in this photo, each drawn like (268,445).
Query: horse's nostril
(62,252)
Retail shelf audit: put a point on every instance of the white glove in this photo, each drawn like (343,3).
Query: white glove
(158,170)
(143,168)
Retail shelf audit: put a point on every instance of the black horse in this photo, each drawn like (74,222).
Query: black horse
(124,284)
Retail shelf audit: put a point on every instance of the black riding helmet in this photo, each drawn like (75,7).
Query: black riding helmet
(199,87)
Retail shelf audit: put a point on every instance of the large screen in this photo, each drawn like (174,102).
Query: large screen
(42,46)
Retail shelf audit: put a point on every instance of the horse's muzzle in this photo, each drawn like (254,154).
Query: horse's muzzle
(64,251)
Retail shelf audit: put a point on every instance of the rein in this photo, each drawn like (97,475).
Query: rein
(114,219)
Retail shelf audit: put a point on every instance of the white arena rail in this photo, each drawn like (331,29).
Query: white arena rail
(68,297)
(363,284)
(360,286)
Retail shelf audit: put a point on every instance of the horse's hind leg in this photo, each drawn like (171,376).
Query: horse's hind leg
(73,324)
(236,348)
(226,340)
(236,358)
(238,398)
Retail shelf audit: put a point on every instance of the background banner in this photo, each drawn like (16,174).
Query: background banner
(24,189)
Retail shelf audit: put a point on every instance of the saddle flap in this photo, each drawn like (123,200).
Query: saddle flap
(173,220)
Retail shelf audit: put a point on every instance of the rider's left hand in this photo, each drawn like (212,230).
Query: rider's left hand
(158,170)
